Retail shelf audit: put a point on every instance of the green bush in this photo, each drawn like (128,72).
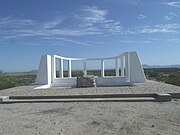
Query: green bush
(167,75)
(8,81)
(5,85)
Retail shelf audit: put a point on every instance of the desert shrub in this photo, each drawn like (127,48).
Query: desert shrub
(167,75)
(8,81)
(172,79)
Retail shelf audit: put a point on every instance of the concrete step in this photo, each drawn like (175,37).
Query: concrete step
(151,97)
(85,96)
(139,99)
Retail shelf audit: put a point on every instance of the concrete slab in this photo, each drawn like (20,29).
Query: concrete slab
(84,96)
(4,98)
(162,97)
(175,95)
(139,99)
(157,97)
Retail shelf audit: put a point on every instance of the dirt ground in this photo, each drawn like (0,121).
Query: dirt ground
(91,118)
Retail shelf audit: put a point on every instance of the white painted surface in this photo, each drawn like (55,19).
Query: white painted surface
(65,82)
(131,71)
(136,71)
(102,68)
(69,68)
(44,71)
(62,70)
(84,68)
(4,98)
(111,81)
(43,87)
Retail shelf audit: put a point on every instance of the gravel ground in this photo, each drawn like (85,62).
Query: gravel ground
(91,118)
(149,87)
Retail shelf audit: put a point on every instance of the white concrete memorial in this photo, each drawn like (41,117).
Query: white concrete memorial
(128,70)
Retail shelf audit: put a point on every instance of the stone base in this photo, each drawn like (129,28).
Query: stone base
(88,81)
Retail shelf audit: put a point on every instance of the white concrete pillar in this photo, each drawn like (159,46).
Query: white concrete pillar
(44,71)
(122,66)
(102,68)
(54,67)
(69,68)
(127,66)
(136,71)
(62,74)
(59,68)
(117,66)
(85,68)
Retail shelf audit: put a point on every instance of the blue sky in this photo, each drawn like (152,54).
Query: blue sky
(88,28)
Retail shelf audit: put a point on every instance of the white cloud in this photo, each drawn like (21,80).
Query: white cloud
(52,24)
(167,18)
(75,42)
(13,29)
(13,23)
(56,40)
(161,28)
(92,15)
(141,17)
(167,28)
(174,40)
(91,21)
(170,16)
(130,41)
(173,4)
(130,2)
(27,28)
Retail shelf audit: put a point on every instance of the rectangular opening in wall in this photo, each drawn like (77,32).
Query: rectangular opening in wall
(118,66)
(93,67)
(57,63)
(65,68)
(125,66)
(109,68)
(122,66)
(77,68)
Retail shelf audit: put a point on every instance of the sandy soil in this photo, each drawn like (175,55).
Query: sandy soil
(149,87)
(91,118)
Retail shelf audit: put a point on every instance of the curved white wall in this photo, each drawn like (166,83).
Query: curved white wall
(131,70)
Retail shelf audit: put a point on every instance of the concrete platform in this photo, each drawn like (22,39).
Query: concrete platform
(4,98)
